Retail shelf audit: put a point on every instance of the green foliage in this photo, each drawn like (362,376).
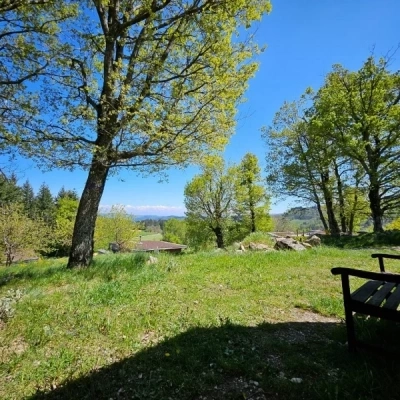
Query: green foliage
(360,111)
(20,234)
(394,225)
(116,227)
(9,190)
(252,202)
(45,206)
(258,237)
(174,230)
(64,224)
(209,200)
(28,199)
(28,46)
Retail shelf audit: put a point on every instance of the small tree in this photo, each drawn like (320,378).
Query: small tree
(251,197)
(64,223)
(116,227)
(209,199)
(45,205)
(20,234)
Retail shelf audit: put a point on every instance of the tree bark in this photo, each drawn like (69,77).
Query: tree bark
(81,253)
(339,184)
(333,225)
(376,210)
(220,237)
(253,218)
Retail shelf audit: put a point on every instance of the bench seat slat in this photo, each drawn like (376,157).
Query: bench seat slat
(381,294)
(394,300)
(366,291)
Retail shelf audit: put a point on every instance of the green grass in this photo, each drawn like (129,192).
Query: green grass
(150,236)
(211,325)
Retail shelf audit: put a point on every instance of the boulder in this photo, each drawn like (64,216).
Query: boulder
(152,260)
(288,244)
(258,246)
(307,245)
(242,247)
(102,251)
(314,241)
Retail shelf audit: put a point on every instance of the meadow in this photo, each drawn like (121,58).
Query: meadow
(215,325)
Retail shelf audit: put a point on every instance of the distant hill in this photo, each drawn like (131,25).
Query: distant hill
(298,219)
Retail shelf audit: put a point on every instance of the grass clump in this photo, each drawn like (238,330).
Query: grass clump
(258,237)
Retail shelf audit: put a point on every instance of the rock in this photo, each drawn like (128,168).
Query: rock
(314,241)
(258,246)
(239,251)
(288,244)
(114,247)
(102,251)
(307,245)
(152,260)
(242,247)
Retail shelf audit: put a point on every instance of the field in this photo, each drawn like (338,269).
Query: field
(196,326)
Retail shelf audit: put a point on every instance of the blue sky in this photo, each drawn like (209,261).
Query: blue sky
(304,39)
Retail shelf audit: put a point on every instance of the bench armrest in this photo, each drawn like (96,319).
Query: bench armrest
(381,256)
(376,276)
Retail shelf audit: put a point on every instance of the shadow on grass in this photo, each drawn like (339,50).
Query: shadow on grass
(363,240)
(104,267)
(20,273)
(299,360)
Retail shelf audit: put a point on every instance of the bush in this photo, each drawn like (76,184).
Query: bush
(259,237)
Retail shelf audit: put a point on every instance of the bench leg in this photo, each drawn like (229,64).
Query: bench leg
(351,335)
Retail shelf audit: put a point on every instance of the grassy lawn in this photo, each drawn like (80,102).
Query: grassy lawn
(150,236)
(195,326)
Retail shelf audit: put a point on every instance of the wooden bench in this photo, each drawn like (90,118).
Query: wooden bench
(378,297)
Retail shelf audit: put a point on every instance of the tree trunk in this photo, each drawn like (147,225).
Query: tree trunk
(253,218)
(333,225)
(376,210)
(81,253)
(339,184)
(322,216)
(220,237)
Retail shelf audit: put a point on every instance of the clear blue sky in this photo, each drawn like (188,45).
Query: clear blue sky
(304,38)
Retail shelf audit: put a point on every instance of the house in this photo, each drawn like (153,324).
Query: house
(156,246)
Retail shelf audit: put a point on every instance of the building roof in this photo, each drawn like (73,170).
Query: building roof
(153,245)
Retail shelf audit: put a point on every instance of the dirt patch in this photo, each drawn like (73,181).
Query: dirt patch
(16,347)
(300,315)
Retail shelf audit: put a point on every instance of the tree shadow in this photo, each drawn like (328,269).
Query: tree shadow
(293,360)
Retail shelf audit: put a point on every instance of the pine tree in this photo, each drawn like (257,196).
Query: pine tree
(28,199)
(45,204)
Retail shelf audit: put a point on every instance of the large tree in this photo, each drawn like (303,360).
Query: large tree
(360,112)
(299,159)
(148,84)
